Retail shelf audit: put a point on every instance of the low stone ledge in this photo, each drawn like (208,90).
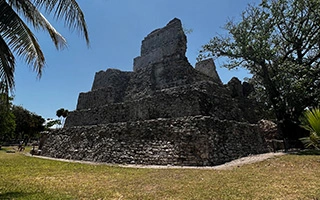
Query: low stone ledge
(185,141)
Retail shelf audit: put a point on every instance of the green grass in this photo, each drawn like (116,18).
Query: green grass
(285,177)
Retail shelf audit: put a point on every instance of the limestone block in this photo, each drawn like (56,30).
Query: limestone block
(169,41)
(189,141)
(235,87)
(98,98)
(110,78)
(108,87)
(208,68)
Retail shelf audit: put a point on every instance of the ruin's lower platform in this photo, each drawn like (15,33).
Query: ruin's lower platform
(186,141)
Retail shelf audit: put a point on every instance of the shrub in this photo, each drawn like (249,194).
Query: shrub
(311,122)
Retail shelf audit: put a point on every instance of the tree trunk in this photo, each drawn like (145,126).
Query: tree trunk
(287,129)
(292,132)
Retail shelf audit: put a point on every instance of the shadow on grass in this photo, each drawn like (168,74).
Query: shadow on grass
(14,195)
(3,148)
(308,152)
(6,148)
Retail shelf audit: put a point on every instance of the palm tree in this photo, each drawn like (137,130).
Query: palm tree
(16,38)
(311,122)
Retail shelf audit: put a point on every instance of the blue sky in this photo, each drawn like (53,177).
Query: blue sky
(116,29)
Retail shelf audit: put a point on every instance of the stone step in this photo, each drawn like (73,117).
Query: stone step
(201,98)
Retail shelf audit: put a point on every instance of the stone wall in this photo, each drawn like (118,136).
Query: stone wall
(165,112)
(202,98)
(111,78)
(168,41)
(108,87)
(141,109)
(238,89)
(209,68)
(186,141)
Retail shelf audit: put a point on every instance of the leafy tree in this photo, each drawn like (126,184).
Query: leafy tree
(311,122)
(62,113)
(7,119)
(16,38)
(278,42)
(28,125)
(51,122)
(59,112)
(65,113)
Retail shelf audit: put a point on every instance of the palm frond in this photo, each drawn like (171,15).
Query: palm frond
(7,63)
(19,37)
(312,141)
(38,21)
(69,10)
(311,122)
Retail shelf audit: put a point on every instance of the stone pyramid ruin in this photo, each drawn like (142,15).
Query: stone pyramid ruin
(164,112)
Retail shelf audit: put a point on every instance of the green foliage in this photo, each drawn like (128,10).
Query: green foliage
(7,119)
(28,124)
(62,113)
(16,38)
(278,43)
(7,125)
(311,122)
(51,122)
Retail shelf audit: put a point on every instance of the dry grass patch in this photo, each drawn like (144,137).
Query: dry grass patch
(285,177)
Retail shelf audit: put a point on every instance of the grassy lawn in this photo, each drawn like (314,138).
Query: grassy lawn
(285,177)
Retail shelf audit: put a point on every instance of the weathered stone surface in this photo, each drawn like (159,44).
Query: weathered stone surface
(189,141)
(235,87)
(164,112)
(108,87)
(101,97)
(208,68)
(269,129)
(111,78)
(160,89)
(169,41)
(202,98)
(239,89)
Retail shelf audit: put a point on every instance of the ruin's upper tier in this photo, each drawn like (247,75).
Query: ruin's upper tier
(163,84)
(169,41)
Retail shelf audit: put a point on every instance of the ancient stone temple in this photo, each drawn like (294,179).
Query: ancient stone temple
(164,112)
